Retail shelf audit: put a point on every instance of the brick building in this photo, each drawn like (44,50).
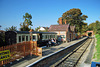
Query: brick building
(66,31)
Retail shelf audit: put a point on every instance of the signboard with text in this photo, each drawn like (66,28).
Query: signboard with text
(4,55)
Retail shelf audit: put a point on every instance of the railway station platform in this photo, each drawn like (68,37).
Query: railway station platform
(45,51)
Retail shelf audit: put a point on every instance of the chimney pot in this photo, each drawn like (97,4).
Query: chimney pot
(60,20)
(65,21)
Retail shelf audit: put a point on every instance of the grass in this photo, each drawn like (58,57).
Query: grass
(97,54)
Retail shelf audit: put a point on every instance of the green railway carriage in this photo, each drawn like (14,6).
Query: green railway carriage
(12,37)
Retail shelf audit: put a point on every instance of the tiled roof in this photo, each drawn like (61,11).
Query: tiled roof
(58,28)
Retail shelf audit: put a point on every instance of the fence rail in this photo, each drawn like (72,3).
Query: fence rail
(20,50)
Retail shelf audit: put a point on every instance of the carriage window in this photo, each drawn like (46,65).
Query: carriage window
(23,38)
(34,38)
(19,38)
(26,38)
(50,36)
(54,36)
(43,36)
(46,37)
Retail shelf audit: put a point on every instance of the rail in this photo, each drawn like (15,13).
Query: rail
(72,59)
(52,58)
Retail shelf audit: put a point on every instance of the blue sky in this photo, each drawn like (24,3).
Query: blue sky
(44,12)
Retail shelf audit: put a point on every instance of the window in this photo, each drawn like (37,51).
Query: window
(46,37)
(23,37)
(34,38)
(50,36)
(54,36)
(62,32)
(26,38)
(42,36)
(19,38)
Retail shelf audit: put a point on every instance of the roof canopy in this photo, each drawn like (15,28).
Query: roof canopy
(27,32)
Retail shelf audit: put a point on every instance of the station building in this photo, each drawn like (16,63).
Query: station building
(66,31)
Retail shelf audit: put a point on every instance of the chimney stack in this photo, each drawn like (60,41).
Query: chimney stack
(65,21)
(60,20)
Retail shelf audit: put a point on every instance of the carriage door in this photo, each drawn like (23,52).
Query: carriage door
(38,37)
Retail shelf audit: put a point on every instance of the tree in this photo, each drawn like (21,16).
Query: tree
(74,17)
(37,29)
(0,26)
(92,27)
(95,27)
(27,22)
(2,37)
(12,28)
(27,18)
(84,28)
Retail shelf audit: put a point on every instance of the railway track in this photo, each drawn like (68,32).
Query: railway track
(66,57)
(72,59)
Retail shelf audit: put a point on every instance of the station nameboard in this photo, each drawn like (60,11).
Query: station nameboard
(4,55)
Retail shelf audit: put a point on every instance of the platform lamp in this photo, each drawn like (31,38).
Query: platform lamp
(31,45)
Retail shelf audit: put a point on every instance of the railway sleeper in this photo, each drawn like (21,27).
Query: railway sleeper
(72,60)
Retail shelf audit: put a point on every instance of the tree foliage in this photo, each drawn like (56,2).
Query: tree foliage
(12,28)
(84,28)
(0,26)
(74,17)
(2,39)
(95,27)
(37,29)
(27,19)
(27,22)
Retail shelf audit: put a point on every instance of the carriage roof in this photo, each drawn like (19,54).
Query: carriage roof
(34,32)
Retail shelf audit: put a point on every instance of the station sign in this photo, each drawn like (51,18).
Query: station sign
(4,55)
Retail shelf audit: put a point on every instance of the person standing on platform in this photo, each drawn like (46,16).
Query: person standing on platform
(55,41)
(52,42)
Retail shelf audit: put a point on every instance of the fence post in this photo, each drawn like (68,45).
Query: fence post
(31,47)
(36,47)
(31,42)
(24,47)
